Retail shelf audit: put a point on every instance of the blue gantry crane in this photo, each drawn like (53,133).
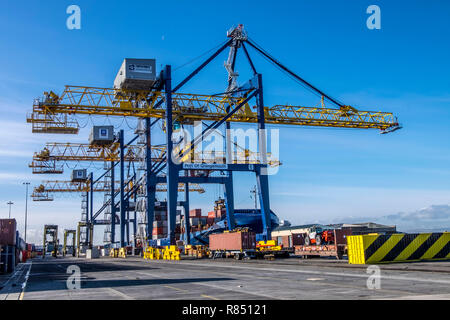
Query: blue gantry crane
(161,101)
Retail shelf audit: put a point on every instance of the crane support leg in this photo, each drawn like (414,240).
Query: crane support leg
(135,227)
(172,168)
(122,191)
(87,217)
(91,210)
(151,198)
(151,181)
(74,236)
(127,227)
(78,239)
(187,223)
(113,205)
(229,201)
(261,174)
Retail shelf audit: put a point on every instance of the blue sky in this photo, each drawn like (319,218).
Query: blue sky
(327,174)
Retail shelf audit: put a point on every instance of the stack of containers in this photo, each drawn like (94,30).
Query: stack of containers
(194,218)
(160,223)
(199,222)
(217,214)
(211,218)
(8,236)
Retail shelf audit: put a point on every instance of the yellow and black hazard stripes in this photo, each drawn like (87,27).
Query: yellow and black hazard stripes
(398,247)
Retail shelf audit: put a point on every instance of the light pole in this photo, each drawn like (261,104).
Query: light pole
(26,209)
(9,203)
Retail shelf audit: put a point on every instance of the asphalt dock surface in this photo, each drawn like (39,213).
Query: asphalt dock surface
(135,278)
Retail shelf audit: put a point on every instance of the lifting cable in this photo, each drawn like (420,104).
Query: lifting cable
(198,57)
(299,79)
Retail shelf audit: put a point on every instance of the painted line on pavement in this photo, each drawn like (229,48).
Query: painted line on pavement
(318,272)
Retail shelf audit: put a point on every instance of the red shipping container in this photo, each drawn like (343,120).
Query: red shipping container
(159,230)
(212,214)
(24,255)
(286,241)
(195,213)
(8,232)
(210,221)
(232,241)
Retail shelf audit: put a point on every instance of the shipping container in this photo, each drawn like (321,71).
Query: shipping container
(232,241)
(136,74)
(285,241)
(8,232)
(195,213)
(8,259)
(159,230)
(212,214)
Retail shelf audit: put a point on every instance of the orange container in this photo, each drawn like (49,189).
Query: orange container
(232,241)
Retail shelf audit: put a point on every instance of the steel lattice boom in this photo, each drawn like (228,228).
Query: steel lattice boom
(43,191)
(46,160)
(86,152)
(196,107)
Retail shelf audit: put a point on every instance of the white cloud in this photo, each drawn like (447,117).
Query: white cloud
(435,218)
(327,203)
(19,177)
(15,153)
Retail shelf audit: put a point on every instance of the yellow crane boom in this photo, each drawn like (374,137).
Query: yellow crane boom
(86,152)
(43,191)
(45,161)
(193,107)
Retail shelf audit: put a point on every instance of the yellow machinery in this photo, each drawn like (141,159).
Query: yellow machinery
(51,230)
(152,253)
(167,253)
(269,245)
(197,251)
(171,253)
(90,228)
(114,253)
(122,253)
(74,236)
